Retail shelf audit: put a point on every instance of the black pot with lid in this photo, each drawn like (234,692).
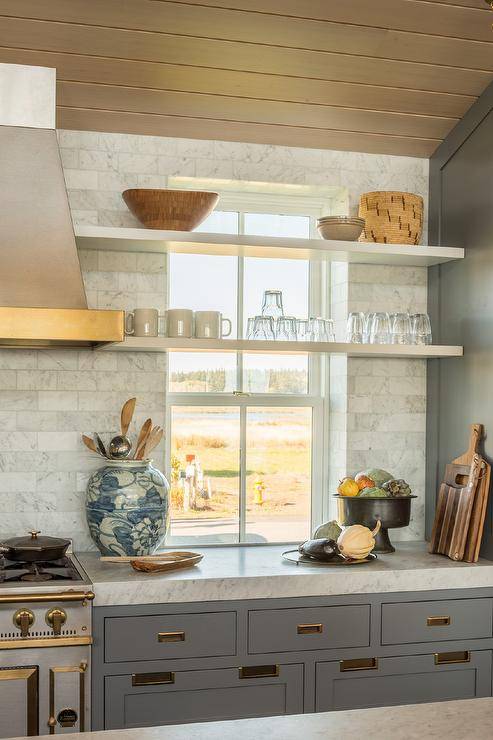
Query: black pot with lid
(33,548)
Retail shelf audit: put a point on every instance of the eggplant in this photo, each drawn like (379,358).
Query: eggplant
(322,549)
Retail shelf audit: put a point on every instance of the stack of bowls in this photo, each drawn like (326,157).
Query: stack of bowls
(340,228)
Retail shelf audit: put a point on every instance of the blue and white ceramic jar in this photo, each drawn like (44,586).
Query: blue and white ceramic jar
(127,507)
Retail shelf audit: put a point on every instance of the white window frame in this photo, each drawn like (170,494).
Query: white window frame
(266,200)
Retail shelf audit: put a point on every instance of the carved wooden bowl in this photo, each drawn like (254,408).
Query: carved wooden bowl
(174,210)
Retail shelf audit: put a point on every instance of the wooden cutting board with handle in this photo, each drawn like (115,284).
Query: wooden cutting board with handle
(478,514)
(454,508)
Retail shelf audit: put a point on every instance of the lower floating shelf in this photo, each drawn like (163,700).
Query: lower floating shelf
(166,344)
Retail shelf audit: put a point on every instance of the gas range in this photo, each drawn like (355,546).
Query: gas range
(65,569)
(45,643)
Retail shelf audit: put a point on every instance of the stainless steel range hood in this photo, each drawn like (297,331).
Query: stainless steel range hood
(42,297)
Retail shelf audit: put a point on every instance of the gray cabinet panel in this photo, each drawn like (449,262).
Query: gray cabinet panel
(165,636)
(435,621)
(316,628)
(202,696)
(403,680)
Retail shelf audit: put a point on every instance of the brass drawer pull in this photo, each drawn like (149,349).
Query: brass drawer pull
(171,637)
(310,629)
(459,656)
(152,679)
(359,664)
(438,621)
(259,671)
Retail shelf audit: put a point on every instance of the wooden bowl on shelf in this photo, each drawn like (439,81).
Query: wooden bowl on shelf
(174,210)
(340,228)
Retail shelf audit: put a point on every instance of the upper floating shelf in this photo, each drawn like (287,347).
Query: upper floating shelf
(166,344)
(187,242)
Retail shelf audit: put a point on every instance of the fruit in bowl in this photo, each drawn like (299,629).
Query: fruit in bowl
(364,481)
(348,487)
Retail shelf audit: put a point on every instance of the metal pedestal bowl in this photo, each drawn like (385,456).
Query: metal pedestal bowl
(393,513)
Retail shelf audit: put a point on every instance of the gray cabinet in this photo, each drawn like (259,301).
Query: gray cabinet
(348,684)
(430,621)
(169,697)
(322,627)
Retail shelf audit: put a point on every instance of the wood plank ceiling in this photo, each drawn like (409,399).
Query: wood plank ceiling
(390,76)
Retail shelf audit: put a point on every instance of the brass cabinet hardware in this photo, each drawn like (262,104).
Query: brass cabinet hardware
(171,637)
(259,671)
(310,629)
(359,664)
(56,618)
(83,596)
(44,642)
(458,656)
(23,619)
(438,621)
(152,679)
(30,676)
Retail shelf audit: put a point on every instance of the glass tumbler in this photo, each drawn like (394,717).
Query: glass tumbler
(329,330)
(355,327)
(421,328)
(286,329)
(317,331)
(272,304)
(380,328)
(263,328)
(302,330)
(400,328)
(367,327)
(249,328)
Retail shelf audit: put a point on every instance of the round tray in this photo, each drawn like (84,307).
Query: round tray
(293,556)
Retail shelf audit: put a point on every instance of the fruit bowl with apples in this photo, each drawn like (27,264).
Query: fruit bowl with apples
(371,496)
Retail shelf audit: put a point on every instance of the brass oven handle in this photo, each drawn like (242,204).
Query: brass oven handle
(259,671)
(44,642)
(458,656)
(310,629)
(171,637)
(83,596)
(443,621)
(359,664)
(152,679)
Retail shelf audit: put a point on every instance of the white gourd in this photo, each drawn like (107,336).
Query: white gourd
(357,542)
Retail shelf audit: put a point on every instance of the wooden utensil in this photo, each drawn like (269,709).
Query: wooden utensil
(454,509)
(100,444)
(173,561)
(128,409)
(142,439)
(91,444)
(153,440)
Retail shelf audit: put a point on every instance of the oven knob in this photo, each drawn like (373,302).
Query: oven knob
(56,618)
(23,619)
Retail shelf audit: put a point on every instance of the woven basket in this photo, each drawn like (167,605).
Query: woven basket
(391,217)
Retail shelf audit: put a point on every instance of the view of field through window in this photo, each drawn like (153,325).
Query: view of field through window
(240,472)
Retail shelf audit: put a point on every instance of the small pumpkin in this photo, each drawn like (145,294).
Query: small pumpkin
(356,542)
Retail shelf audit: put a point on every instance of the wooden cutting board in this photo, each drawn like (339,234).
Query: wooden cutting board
(478,514)
(454,509)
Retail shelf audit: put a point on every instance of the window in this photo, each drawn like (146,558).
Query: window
(246,430)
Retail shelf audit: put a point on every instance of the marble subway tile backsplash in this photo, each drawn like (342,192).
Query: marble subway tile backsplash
(48,398)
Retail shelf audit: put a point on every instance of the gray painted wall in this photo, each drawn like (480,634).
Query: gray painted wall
(461,296)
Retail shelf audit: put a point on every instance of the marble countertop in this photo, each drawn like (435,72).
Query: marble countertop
(235,573)
(454,720)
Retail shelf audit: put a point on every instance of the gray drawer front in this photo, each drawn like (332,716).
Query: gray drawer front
(172,636)
(404,680)
(285,630)
(201,696)
(407,622)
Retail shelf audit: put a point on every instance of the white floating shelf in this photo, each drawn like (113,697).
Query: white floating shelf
(186,242)
(165,344)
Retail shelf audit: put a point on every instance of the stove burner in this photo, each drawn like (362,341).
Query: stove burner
(54,570)
(36,574)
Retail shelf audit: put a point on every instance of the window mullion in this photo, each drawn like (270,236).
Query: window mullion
(243,472)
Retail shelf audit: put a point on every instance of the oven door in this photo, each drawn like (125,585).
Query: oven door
(19,700)
(44,691)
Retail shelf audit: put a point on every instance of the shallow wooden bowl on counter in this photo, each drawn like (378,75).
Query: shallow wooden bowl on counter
(174,210)
(166,562)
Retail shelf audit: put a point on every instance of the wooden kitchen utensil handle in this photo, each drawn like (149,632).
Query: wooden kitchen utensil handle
(127,414)
(142,439)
